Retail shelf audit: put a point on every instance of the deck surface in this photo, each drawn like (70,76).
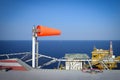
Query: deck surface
(47,74)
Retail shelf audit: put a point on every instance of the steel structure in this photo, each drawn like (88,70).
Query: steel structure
(53,59)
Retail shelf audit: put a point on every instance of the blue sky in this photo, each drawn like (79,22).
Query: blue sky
(77,19)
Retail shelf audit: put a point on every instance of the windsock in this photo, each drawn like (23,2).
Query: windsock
(46,31)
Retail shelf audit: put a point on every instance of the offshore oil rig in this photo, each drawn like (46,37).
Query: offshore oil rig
(104,58)
(101,59)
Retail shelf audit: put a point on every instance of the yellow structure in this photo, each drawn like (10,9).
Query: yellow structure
(99,56)
(103,58)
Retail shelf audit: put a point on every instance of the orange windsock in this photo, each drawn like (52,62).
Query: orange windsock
(45,31)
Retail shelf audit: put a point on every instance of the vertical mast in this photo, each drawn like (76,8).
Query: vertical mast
(34,38)
(111,50)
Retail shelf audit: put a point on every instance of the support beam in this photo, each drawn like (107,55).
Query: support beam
(90,65)
(104,65)
(8,56)
(58,64)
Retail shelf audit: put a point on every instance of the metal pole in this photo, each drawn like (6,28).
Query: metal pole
(33,47)
(36,54)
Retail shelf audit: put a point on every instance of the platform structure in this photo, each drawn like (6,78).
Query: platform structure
(27,58)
